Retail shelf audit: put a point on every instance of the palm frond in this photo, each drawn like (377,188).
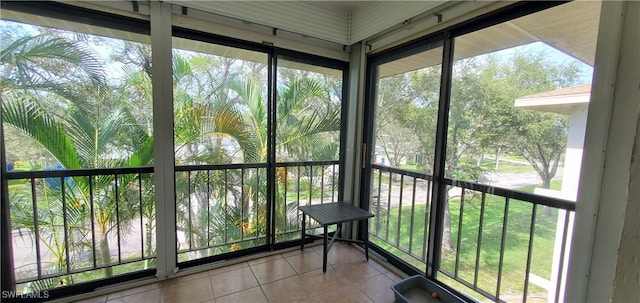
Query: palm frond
(26,54)
(142,156)
(181,68)
(249,92)
(297,94)
(313,124)
(228,122)
(22,112)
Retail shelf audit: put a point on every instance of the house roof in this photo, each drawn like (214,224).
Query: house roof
(561,101)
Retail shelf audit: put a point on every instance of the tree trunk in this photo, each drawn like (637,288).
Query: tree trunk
(148,251)
(446,229)
(247,198)
(202,222)
(497,158)
(546,183)
(105,255)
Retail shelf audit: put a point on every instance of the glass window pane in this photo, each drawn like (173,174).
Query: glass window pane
(220,117)
(88,98)
(519,104)
(77,97)
(220,103)
(519,101)
(406,113)
(308,116)
(308,107)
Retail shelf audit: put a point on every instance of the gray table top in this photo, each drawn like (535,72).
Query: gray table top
(334,213)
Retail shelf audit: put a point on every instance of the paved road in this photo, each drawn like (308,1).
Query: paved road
(504,180)
(514,180)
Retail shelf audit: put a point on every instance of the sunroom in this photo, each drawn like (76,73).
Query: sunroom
(150,142)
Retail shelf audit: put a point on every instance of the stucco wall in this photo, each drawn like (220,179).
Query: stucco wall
(627,279)
(627,276)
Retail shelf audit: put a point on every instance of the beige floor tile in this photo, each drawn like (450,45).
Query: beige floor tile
(272,270)
(233,281)
(312,300)
(347,294)
(378,289)
(297,252)
(253,295)
(320,282)
(134,290)
(342,253)
(293,276)
(97,299)
(265,259)
(196,290)
(394,277)
(356,272)
(149,296)
(228,268)
(381,268)
(292,289)
(306,262)
(185,278)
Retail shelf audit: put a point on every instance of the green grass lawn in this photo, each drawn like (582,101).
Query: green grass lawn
(489,165)
(516,240)
(513,158)
(506,167)
(413,167)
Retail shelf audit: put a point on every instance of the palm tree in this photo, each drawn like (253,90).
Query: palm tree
(223,107)
(81,131)
(297,126)
(88,120)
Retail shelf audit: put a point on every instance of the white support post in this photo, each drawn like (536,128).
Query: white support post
(598,183)
(354,125)
(163,151)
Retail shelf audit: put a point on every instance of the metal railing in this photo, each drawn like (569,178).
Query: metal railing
(400,202)
(64,224)
(220,208)
(501,244)
(223,208)
(306,183)
(72,226)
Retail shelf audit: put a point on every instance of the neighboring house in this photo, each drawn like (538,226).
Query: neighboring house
(573,102)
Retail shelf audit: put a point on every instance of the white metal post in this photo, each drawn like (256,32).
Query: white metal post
(596,149)
(163,151)
(353,131)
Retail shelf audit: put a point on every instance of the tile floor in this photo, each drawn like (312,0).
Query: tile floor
(292,276)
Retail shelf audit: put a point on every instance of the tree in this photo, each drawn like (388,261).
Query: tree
(541,138)
(221,117)
(483,118)
(397,142)
(80,133)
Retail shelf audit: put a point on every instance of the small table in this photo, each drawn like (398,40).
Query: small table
(334,213)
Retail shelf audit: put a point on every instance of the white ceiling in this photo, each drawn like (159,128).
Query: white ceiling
(348,22)
(571,28)
(342,22)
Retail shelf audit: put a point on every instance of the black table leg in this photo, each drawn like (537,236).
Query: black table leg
(304,235)
(324,250)
(366,239)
